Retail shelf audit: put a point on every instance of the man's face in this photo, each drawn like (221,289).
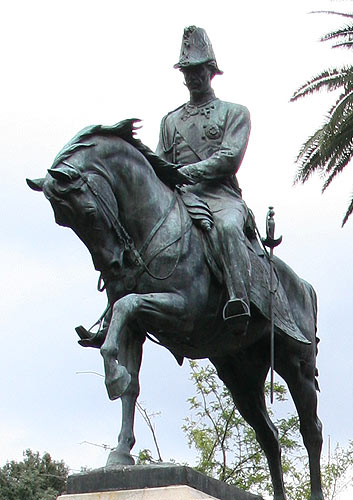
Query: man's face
(197,78)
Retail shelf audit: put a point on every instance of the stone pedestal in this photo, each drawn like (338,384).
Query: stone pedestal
(166,493)
(150,482)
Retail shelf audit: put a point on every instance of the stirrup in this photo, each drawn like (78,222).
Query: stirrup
(89,339)
(236,308)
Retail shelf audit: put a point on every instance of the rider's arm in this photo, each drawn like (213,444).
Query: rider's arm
(227,159)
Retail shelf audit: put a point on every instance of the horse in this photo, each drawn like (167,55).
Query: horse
(106,186)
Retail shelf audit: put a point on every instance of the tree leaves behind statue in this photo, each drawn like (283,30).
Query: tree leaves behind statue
(35,478)
(330,149)
(227,449)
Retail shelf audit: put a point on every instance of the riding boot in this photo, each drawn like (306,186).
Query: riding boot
(90,339)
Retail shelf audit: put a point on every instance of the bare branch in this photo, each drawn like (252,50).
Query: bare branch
(147,419)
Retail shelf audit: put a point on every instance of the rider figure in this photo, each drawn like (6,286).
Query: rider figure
(207,139)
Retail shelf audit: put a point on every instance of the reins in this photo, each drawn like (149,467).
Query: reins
(123,235)
(183,230)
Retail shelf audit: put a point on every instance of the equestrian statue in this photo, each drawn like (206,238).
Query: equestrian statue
(181,262)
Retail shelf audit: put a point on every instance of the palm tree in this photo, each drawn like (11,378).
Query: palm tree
(330,149)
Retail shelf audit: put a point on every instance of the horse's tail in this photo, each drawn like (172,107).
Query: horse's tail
(317,340)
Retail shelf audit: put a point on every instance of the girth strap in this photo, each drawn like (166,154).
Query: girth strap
(158,225)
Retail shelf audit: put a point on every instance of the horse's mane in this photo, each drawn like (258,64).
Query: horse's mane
(124,130)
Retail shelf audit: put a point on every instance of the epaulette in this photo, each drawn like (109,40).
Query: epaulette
(174,110)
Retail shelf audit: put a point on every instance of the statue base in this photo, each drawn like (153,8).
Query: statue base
(150,482)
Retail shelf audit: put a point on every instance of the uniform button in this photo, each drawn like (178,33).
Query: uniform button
(203,137)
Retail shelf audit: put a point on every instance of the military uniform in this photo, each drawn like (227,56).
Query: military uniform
(209,141)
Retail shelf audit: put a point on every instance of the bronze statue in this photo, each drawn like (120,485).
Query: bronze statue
(158,253)
(207,139)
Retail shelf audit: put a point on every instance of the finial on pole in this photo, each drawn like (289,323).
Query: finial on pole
(270,240)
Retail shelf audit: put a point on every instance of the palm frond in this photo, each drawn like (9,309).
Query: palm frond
(339,164)
(310,161)
(329,141)
(345,32)
(330,148)
(349,212)
(345,45)
(344,103)
(339,120)
(343,14)
(332,79)
(337,138)
(339,114)
(310,145)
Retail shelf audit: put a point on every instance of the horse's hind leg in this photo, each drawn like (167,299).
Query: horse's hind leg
(245,377)
(300,377)
(130,354)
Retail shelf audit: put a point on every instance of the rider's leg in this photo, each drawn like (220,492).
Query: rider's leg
(90,339)
(236,264)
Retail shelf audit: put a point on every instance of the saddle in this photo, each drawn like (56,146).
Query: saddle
(202,217)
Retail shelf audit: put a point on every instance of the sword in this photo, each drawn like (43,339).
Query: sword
(271,243)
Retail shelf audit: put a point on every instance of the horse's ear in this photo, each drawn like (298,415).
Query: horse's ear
(63,174)
(36,184)
(59,174)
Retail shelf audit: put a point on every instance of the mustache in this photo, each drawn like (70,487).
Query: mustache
(193,80)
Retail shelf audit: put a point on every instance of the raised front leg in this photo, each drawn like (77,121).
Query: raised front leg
(130,354)
(167,310)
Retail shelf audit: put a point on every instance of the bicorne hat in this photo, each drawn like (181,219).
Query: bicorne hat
(196,49)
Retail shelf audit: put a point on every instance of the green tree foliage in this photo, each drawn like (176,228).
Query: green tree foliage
(227,449)
(337,471)
(34,478)
(145,457)
(330,148)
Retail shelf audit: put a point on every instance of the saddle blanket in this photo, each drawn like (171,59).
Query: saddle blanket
(260,296)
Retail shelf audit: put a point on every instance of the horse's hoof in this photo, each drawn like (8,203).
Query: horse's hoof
(117,457)
(119,384)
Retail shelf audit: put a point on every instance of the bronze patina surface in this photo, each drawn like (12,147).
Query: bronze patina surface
(181,270)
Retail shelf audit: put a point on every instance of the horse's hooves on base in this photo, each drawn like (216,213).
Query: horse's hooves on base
(118,458)
(118,386)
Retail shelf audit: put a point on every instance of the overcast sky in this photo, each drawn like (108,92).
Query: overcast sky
(69,64)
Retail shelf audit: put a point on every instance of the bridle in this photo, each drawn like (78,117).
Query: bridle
(137,257)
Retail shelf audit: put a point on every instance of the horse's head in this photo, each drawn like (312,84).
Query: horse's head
(100,168)
(82,198)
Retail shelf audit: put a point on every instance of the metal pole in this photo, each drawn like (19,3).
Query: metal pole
(272,338)
(271,242)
